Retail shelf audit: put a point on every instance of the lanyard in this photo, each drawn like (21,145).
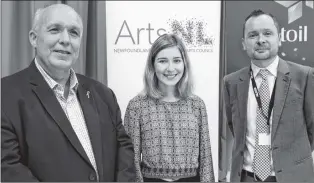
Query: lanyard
(258,99)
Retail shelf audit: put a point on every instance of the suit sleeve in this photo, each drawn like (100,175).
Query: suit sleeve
(125,171)
(12,167)
(309,106)
(132,126)
(227,107)
(225,134)
(206,163)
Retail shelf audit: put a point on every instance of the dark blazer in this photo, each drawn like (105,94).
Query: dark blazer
(292,124)
(39,144)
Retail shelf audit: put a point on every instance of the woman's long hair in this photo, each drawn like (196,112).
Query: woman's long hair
(184,86)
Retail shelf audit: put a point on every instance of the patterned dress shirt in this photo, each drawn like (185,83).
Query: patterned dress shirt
(72,109)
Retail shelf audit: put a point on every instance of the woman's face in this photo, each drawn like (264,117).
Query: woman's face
(169,66)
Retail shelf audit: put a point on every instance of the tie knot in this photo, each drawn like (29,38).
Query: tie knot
(264,73)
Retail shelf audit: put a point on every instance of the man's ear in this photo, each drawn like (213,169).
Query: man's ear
(243,44)
(33,38)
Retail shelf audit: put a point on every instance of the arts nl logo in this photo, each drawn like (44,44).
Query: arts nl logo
(192,31)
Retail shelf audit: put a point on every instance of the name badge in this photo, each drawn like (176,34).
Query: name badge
(264,139)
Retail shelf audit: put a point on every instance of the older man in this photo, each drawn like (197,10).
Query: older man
(270,109)
(57,125)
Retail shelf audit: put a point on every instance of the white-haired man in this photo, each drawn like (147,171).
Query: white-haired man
(57,125)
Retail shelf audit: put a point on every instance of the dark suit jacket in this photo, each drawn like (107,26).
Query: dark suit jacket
(39,144)
(292,124)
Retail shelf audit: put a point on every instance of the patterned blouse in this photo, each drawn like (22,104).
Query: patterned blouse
(171,139)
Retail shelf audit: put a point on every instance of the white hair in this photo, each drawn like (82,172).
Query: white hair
(37,20)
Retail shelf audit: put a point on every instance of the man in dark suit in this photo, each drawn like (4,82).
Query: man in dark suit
(269,108)
(57,125)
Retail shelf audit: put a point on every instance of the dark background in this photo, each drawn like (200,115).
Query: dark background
(233,57)
(235,14)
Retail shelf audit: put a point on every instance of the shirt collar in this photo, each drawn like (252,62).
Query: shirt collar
(272,68)
(52,83)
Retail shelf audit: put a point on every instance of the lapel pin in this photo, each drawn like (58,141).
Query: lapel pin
(87,94)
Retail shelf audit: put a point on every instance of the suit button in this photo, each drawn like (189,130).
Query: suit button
(92,177)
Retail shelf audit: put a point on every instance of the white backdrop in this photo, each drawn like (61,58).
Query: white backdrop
(133,26)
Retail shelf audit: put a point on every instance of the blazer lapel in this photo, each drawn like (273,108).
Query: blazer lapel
(89,108)
(282,87)
(52,106)
(242,91)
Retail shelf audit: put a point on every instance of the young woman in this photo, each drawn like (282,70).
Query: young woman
(167,123)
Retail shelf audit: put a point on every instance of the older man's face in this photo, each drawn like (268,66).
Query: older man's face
(58,38)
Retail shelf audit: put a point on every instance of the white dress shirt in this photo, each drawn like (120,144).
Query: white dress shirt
(251,114)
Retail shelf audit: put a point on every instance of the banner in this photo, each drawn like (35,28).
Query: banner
(297,37)
(297,30)
(133,26)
